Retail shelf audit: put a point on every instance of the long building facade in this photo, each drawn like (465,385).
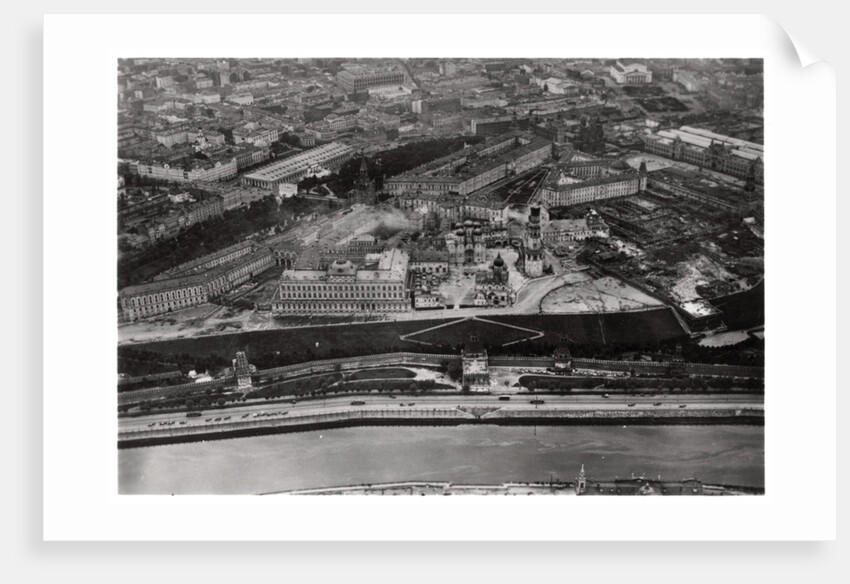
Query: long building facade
(191,287)
(707,149)
(359,80)
(346,288)
(562,190)
(469,170)
(295,168)
(215,171)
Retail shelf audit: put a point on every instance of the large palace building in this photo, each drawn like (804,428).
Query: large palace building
(360,79)
(346,288)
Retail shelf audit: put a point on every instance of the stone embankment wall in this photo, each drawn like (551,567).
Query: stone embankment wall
(434,416)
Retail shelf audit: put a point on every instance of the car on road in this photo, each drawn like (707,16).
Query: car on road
(504,398)
(631,405)
(358,402)
(246,415)
(657,404)
(208,420)
(605,395)
(683,406)
(537,401)
(193,415)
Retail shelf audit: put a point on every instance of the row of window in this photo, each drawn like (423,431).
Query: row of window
(325,294)
(345,287)
(341,306)
(151,299)
(162,308)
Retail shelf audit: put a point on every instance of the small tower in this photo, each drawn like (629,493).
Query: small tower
(364,188)
(563,357)
(242,371)
(581,482)
(364,172)
(642,180)
(677,364)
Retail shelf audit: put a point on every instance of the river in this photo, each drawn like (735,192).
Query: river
(461,454)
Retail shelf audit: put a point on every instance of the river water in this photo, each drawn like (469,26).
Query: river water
(460,454)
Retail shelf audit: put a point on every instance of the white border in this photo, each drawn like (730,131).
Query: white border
(80,500)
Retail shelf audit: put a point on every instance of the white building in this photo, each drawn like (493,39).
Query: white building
(297,167)
(631,74)
(287,190)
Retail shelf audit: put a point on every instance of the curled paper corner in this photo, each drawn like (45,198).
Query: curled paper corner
(805,56)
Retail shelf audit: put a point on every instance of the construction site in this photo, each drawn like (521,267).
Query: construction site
(677,249)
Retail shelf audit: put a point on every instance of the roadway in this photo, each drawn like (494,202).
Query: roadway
(635,402)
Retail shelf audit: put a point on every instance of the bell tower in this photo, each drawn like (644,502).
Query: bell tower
(533,246)
(581,482)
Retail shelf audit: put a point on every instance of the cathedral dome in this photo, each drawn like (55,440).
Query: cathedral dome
(499,262)
(467,223)
(477,231)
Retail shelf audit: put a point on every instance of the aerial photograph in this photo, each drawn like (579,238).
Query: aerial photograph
(440,276)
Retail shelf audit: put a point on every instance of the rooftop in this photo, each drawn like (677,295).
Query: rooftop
(299,162)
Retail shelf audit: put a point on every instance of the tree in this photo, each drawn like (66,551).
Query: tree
(465,388)
(454,370)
